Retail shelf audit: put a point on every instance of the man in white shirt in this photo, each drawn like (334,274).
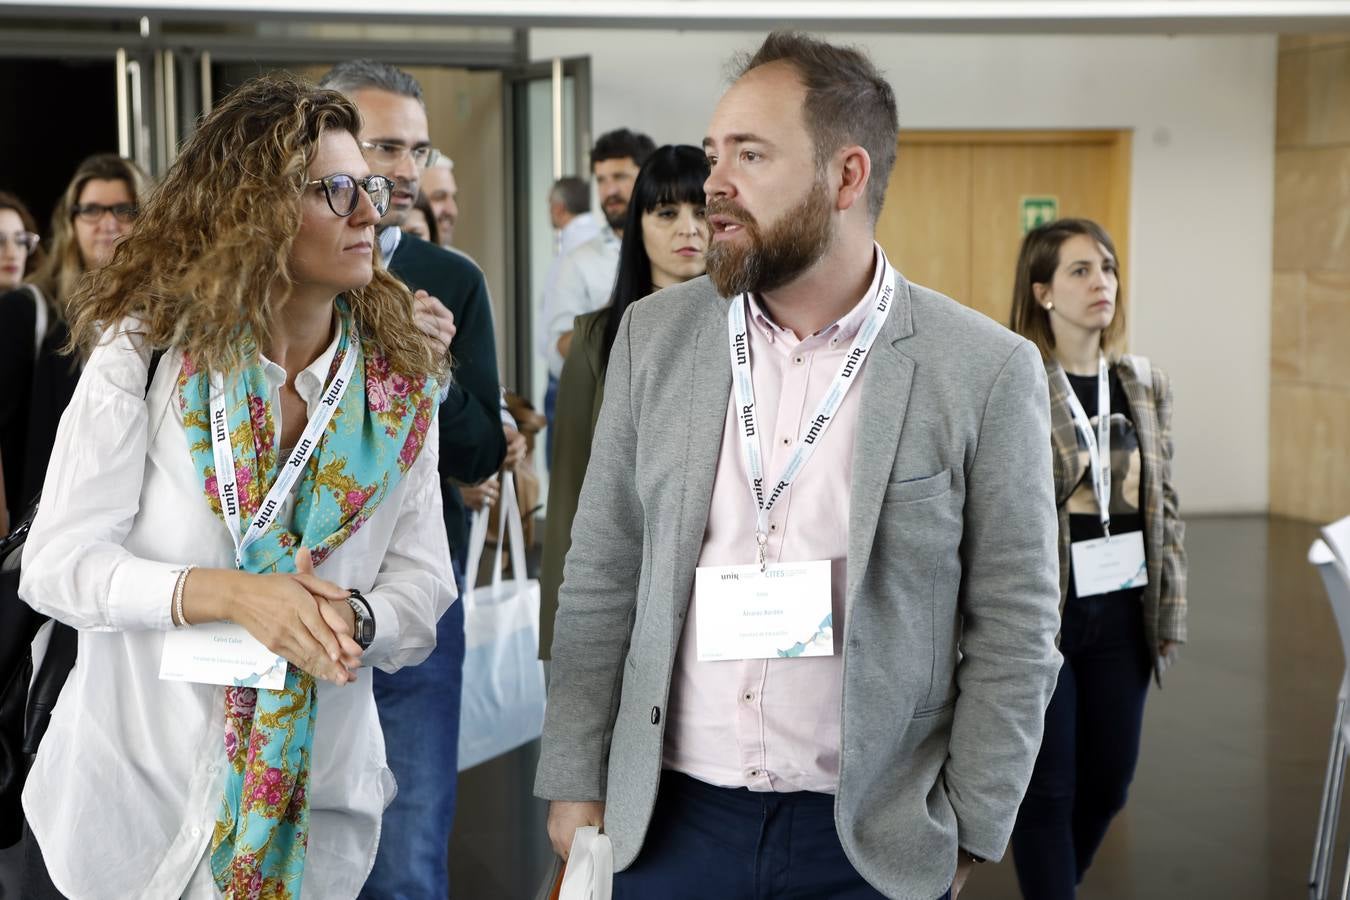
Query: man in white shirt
(569,211)
(585,276)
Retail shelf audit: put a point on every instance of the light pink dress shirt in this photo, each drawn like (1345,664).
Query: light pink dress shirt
(773,724)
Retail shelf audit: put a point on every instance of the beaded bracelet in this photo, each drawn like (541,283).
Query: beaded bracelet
(180,620)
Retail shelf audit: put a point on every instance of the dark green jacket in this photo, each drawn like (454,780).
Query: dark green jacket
(472,444)
(581,390)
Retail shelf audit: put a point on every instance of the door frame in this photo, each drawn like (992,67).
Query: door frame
(519,343)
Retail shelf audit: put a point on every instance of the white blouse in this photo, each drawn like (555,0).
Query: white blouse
(124,793)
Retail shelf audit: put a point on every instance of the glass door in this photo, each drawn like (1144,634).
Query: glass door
(73,93)
(549,129)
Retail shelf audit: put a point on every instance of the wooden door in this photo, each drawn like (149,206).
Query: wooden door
(952,219)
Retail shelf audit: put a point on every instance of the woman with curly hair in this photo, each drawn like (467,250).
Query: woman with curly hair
(242,473)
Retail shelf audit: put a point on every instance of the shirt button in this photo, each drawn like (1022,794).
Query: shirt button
(787,441)
(753,773)
(656,715)
(748,696)
(798,360)
(196,832)
(773,526)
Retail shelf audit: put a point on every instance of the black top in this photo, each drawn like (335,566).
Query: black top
(33,395)
(1126,472)
(472,445)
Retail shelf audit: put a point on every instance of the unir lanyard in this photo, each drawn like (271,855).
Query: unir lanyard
(290,472)
(738,338)
(1098,443)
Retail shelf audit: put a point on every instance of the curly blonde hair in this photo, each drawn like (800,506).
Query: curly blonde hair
(59,274)
(206,267)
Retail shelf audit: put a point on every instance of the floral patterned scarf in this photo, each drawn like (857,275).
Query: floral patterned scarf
(376,433)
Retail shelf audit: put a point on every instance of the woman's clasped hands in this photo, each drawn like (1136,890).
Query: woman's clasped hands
(298,616)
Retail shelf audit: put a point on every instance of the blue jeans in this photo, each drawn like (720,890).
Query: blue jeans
(733,844)
(1090,748)
(419,713)
(550,408)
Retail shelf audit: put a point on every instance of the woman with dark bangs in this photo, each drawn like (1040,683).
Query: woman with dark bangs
(664,241)
(244,467)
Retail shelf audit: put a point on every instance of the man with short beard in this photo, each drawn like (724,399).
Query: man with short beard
(585,276)
(806,634)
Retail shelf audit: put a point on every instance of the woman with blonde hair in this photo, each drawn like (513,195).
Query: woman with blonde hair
(242,509)
(1122,563)
(91,218)
(93,215)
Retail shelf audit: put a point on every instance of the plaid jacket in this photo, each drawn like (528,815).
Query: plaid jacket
(1150,395)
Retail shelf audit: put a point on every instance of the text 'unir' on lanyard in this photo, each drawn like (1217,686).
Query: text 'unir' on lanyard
(816,426)
(295,464)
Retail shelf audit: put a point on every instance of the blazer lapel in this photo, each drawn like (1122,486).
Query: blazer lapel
(709,392)
(1063,433)
(887,377)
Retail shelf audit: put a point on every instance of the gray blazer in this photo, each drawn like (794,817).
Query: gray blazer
(953,581)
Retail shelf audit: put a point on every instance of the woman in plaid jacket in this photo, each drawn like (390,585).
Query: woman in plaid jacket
(1122,564)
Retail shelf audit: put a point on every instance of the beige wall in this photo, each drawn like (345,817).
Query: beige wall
(1202,112)
(1310,303)
(464,109)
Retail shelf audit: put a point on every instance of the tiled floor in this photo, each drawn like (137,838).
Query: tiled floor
(1225,800)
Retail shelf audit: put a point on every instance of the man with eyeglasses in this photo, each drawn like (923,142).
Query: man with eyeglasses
(419,706)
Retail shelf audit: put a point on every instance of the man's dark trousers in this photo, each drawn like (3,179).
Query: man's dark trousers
(734,844)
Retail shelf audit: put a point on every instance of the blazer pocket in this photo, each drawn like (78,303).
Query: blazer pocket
(930,711)
(914,489)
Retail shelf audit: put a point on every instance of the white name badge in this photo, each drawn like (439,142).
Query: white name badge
(781,612)
(1109,564)
(220,653)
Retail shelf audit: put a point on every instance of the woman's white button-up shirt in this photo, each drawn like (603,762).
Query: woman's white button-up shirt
(125,789)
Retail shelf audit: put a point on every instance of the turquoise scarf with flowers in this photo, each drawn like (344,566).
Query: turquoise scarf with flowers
(375,435)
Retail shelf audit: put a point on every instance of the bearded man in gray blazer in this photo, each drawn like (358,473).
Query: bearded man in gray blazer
(805,639)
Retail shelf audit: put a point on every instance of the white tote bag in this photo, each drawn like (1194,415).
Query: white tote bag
(590,867)
(503,705)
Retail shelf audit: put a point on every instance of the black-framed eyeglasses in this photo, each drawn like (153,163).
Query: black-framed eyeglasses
(25,239)
(342,192)
(387,154)
(92,212)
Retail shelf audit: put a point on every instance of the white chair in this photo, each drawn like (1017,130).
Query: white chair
(1337,536)
(1336,579)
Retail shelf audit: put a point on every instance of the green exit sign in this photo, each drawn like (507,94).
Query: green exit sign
(1037,211)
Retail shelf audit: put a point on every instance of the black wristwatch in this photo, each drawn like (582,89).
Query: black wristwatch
(365,619)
